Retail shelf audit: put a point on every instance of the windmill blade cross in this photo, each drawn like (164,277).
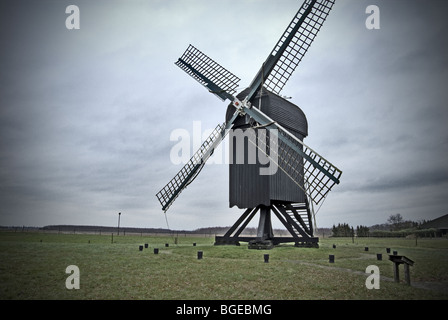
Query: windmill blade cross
(311,172)
(292,46)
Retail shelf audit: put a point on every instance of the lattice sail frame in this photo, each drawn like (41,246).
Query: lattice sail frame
(168,194)
(217,79)
(298,45)
(311,172)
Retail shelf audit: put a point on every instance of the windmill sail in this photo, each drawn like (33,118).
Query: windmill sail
(188,173)
(297,160)
(221,83)
(217,79)
(292,46)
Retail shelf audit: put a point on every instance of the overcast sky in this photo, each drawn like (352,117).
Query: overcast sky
(86,115)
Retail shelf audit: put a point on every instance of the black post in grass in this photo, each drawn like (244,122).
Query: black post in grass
(118,230)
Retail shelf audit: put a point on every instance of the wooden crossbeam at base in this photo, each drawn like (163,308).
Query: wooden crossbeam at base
(265,239)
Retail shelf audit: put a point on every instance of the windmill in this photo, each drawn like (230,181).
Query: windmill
(297,177)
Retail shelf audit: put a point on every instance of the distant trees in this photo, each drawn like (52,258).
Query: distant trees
(395,226)
(344,230)
(397,223)
(395,220)
(362,231)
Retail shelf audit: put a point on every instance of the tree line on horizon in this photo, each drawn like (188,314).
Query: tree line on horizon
(395,226)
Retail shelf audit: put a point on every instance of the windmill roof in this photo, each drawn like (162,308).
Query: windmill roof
(287,114)
(438,223)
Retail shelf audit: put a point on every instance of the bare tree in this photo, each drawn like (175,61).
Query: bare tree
(395,220)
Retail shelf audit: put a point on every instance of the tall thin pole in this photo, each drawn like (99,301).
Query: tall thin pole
(119,214)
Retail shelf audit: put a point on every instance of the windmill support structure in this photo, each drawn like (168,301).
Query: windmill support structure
(296,217)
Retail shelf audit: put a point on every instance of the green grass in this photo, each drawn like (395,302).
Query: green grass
(32,266)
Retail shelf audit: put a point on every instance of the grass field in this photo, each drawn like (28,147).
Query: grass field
(32,266)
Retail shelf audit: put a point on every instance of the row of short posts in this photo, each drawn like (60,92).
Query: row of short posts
(379,256)
(156,250)
(395,258)
(166,246)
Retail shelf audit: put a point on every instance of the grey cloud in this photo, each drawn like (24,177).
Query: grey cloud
(85,116)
